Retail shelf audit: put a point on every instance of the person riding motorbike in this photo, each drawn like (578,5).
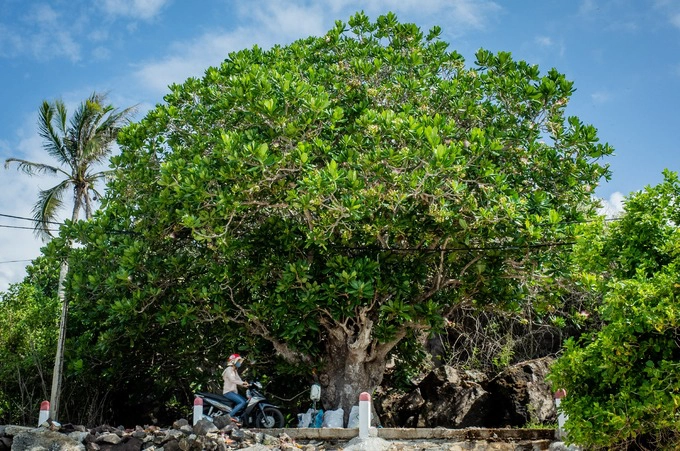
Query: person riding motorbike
(231,383)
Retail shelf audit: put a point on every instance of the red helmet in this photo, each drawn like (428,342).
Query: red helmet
(234,358)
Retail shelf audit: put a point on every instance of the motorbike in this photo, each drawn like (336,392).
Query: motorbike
(258,413)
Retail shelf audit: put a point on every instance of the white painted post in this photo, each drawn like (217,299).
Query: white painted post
(561,417)
(198,409)
(364,415)
(44,412)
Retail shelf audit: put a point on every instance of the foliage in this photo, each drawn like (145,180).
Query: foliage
(624,382)
(28,335)
(329,199)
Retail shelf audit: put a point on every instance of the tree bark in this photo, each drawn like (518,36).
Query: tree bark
(59,357)
(357,362)
(57,374)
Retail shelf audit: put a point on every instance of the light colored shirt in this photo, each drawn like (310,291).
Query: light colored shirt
(231,379)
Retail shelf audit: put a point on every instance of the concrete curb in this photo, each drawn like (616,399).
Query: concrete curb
(344,434)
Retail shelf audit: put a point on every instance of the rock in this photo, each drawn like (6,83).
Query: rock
(522,394)
(5,444)
(45,439)
(222,422)
(172,445)
(13,431)
(179,423)
(367,444)
(128,444)
(79,436)
(453,398)
(204,426)
(256,447)
(109,438)
(238,434)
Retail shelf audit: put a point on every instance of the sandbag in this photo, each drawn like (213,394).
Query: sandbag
(333,418)
(353,421)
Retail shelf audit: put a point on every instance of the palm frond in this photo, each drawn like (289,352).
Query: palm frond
(52,141)
(45,210)
(31,168)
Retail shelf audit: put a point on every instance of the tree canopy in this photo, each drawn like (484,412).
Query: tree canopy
(333,198)
(623,382)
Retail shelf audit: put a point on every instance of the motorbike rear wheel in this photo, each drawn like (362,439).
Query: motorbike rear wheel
(269,417)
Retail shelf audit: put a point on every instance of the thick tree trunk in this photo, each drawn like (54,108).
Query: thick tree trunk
(346,376)
(356,362)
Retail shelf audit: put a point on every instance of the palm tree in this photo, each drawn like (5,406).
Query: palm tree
(79,146)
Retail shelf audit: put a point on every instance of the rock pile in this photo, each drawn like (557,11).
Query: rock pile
(182,436)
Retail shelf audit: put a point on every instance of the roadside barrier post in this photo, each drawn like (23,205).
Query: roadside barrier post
(198,409)
(561,417)
(364,414)
(44,412)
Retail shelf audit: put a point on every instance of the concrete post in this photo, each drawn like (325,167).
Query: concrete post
(198,409)
(44,412)
(561,417)
(364,414)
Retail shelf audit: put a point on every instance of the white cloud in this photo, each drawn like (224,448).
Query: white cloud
(613,206)
(190,59)
(135,9)
(601,97)
(544,41)
(675,20)
(271,22)
(588,7)
(19,195)
(42,34)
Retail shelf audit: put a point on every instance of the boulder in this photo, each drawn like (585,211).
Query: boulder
(522,394)
(42,438)
(454,398)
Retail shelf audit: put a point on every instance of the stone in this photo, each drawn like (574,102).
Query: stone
(108,437)
(256,447)
(222,422)
(522,394)
(128,444)
(45,439)
(5,444)
(79,436)
(179,423)
(367,444)
(204,426)
(238,434)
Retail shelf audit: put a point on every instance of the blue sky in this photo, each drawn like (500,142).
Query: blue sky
(623,55)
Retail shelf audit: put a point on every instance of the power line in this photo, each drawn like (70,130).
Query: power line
(23,228)
(16,261)
(30,219)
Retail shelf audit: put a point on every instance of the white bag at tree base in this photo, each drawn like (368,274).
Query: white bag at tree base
(305,419)
(333,418)
(353,421)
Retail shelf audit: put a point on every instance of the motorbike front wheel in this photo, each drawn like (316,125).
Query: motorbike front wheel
(269,417)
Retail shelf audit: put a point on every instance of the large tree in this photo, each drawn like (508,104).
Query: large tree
(79,146)
(341,194)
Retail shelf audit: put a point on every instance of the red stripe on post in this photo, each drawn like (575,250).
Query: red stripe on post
(364,397)
(198,401)
(45,405)
(561,393)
